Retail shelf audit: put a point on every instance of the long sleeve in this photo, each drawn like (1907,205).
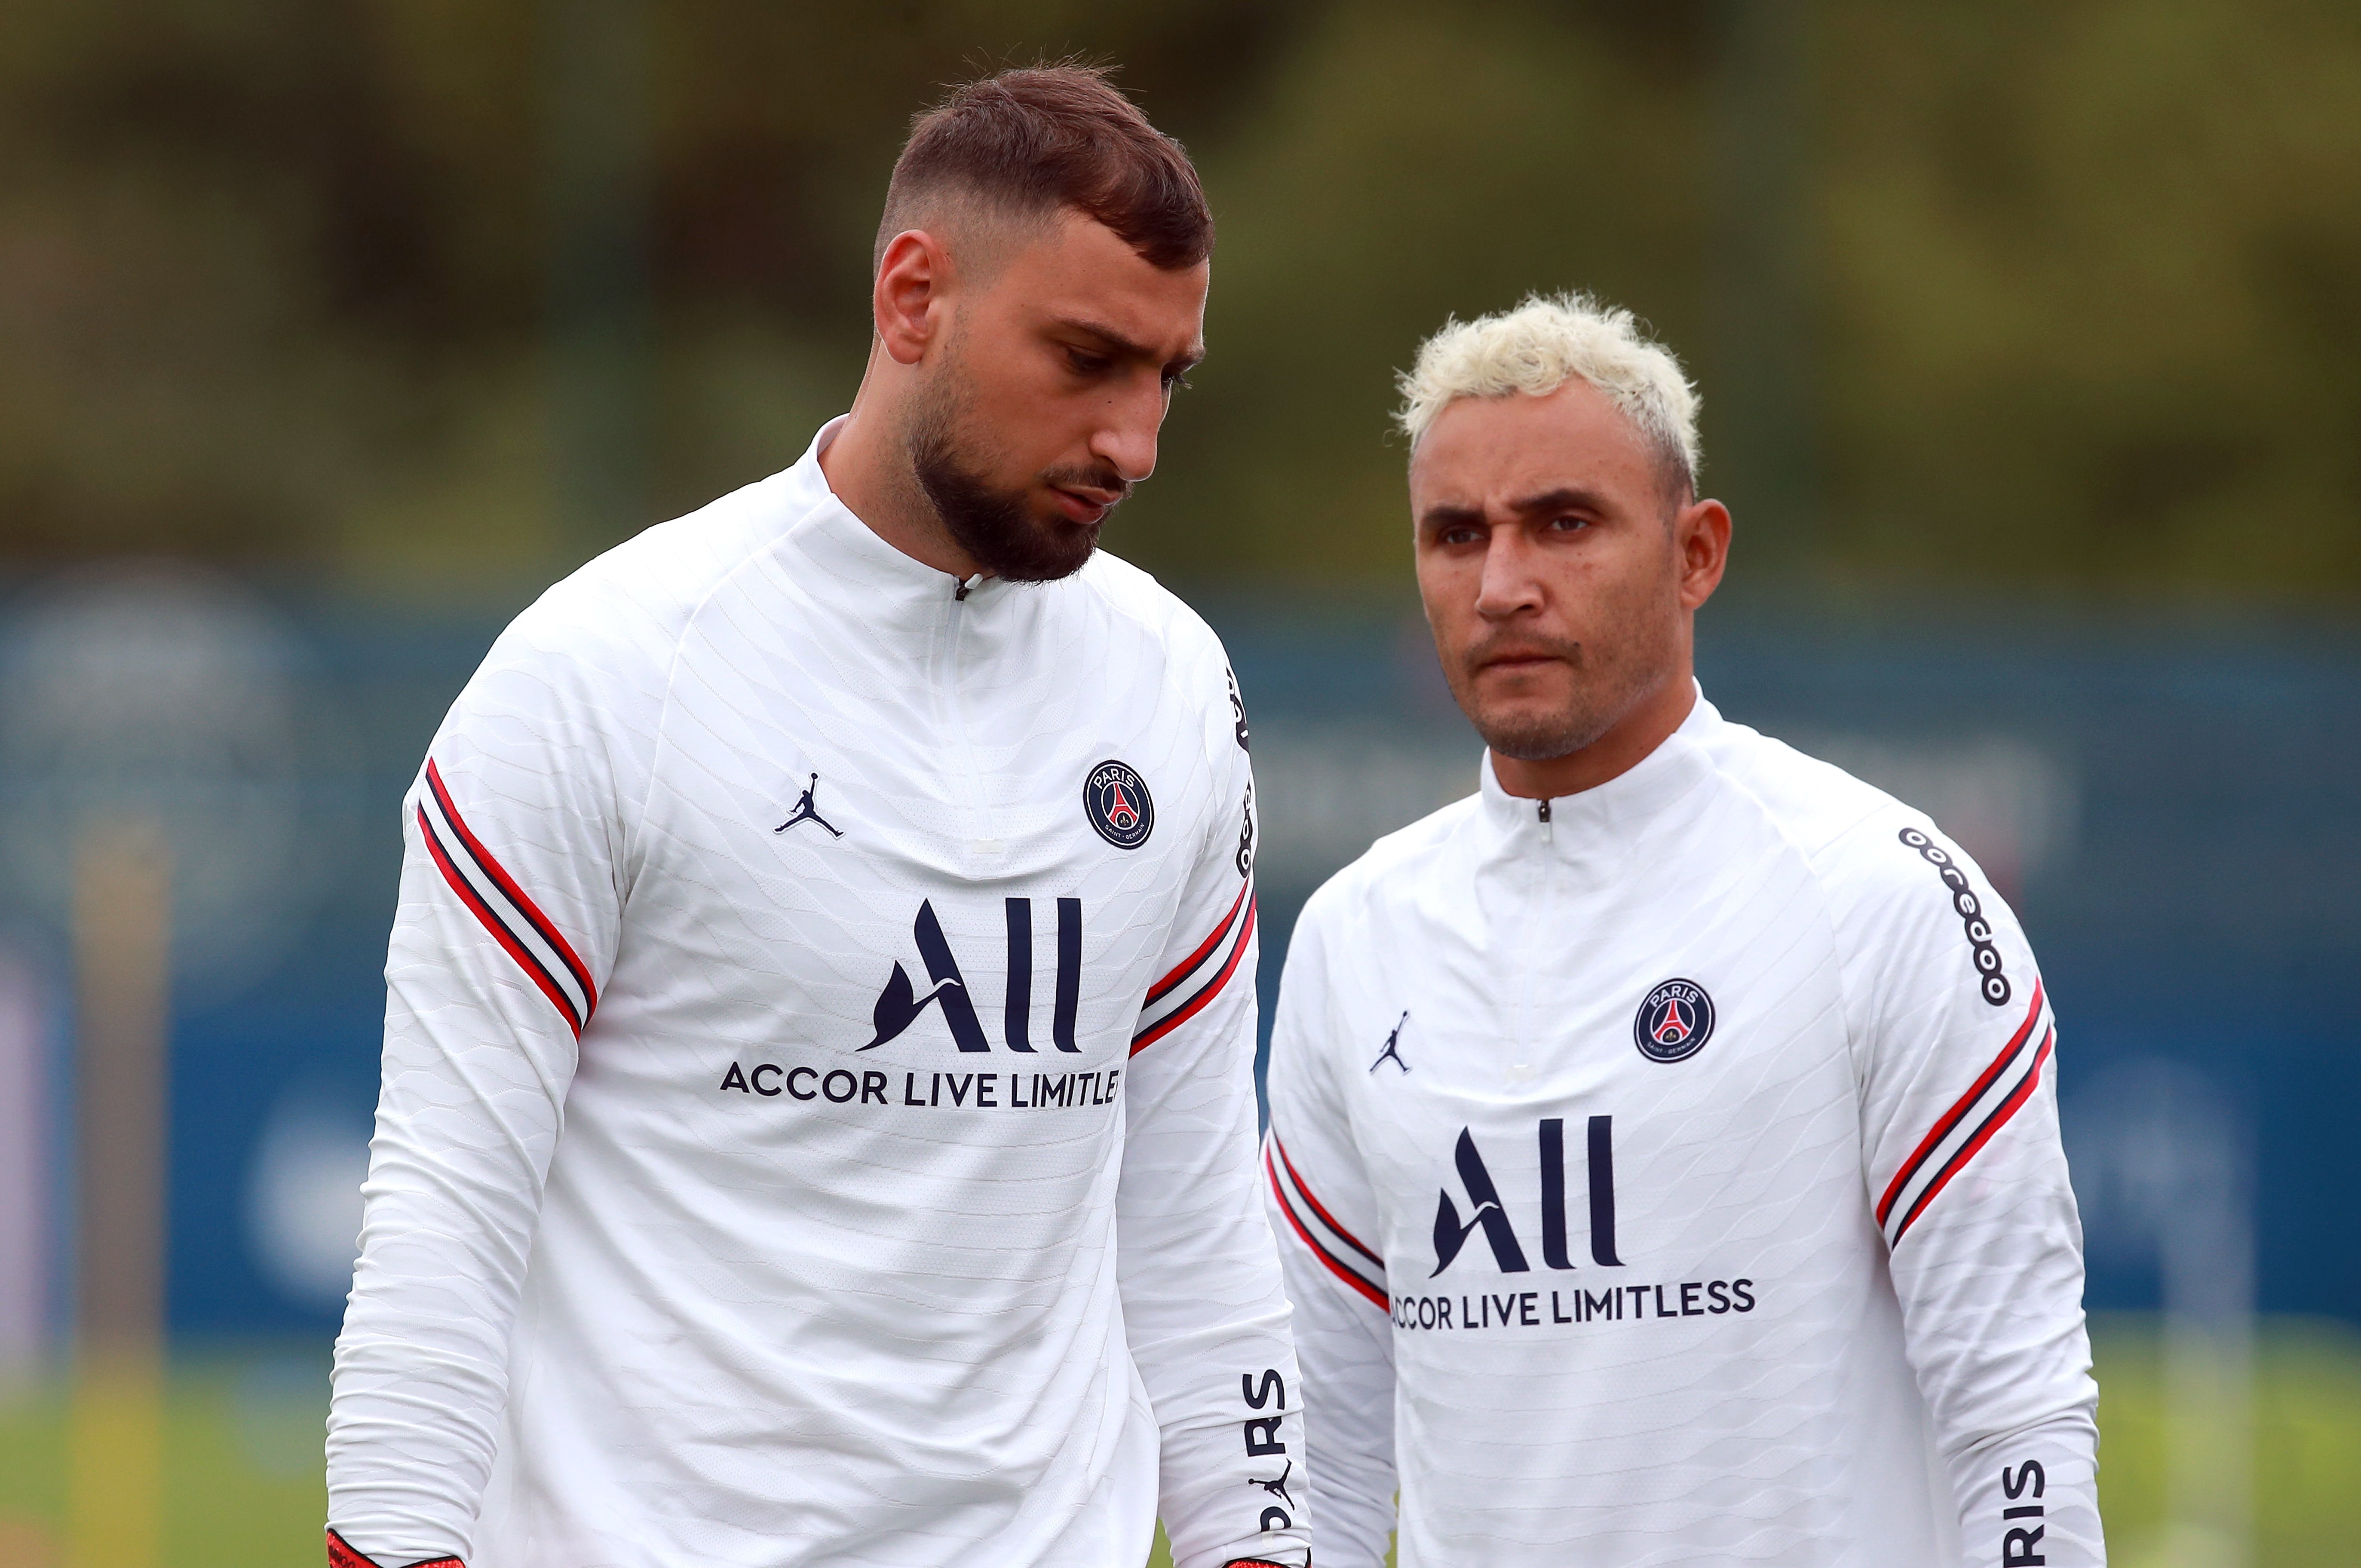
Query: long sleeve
(1956,1046)
(510,908)
(1326,1220)
(1203,1308)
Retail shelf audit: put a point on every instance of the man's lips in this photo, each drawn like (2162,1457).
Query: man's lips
(1516,661)
(1084,506)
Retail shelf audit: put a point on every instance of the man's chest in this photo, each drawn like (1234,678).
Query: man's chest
(1662,1097)
(954,874)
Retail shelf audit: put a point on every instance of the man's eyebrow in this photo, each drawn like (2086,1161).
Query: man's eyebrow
(1443,514)
(1565,498)
(1125,347)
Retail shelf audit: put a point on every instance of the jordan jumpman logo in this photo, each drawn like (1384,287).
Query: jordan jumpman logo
(1277,1488)
(807,812)
(1393,1046)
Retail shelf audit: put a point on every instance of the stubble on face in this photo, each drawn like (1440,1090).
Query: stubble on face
(1583,688)
(993,524)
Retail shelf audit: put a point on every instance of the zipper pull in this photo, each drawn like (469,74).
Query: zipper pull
(966,586)
(1549,834)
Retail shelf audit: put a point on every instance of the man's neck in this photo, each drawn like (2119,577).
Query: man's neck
(868,466)
(1627,744)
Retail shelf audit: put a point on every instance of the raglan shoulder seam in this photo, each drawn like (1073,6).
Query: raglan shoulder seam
(762,545)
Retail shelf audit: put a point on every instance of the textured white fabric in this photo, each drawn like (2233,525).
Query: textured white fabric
(845,1231)
(1693,1342)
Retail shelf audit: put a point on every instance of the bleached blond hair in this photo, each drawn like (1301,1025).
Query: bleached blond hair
(1547,341)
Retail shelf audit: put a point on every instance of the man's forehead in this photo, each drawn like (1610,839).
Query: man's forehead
(1520,445)
(1079,271)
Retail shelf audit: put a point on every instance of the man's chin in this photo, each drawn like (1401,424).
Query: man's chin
(1052,523)
(1056,549)
(1534,736)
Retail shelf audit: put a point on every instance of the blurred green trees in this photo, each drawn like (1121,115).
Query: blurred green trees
(2072,304)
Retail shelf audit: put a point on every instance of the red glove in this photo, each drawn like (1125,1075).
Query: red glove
(342,1555)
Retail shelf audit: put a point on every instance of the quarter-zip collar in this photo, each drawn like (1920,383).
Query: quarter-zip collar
(893,596)
(951,651)
(1594,827)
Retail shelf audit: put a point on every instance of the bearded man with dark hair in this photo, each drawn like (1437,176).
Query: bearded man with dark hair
(1034,170)
(819,1115)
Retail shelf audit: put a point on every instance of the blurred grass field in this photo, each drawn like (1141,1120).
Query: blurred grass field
(243,1473)
(2307,1476)
(242,1481)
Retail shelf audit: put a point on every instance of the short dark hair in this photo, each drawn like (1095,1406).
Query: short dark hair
(1039,139)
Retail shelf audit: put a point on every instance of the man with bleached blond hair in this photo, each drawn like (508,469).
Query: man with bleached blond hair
(1663,1139)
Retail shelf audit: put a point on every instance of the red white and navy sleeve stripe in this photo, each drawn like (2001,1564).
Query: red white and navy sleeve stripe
(342,1555)
(1199,978)
(1338,1250)
(1961,1131)
(512,919)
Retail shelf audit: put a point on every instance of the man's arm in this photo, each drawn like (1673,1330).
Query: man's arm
(506,928)
(1326,1220)
(1203,1309)
(1956,1047)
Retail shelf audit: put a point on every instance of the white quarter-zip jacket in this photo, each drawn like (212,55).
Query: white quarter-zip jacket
(1669,1174)
(818,1118)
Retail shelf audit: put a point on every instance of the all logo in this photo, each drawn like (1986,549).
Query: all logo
(1115,799)
(900,1005)
(1674,1022)
(1491,1216)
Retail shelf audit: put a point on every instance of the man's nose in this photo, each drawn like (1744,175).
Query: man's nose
(1509,583)
(1126,438)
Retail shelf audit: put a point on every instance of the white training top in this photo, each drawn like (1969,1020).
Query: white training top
(818,1118)
(1669,1174)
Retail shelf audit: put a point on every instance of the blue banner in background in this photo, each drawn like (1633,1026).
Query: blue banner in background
(2173,813)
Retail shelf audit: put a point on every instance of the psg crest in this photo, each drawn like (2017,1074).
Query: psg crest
(1674,1022)
(1115,799)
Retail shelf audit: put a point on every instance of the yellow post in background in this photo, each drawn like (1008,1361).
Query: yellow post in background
(123,962)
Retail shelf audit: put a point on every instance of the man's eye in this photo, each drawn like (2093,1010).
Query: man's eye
(1461,536)
(1086,363)
(1569,524)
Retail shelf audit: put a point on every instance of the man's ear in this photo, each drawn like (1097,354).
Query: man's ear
(914,279)
(1701,534)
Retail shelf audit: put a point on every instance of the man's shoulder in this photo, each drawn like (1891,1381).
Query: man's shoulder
(1170,644)
(1134,597)
(623,613)
(1397,870)
(1861,843)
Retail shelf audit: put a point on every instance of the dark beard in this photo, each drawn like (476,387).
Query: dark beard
(993,526)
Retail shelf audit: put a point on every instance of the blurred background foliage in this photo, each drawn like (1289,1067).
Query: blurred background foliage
(2021,298)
